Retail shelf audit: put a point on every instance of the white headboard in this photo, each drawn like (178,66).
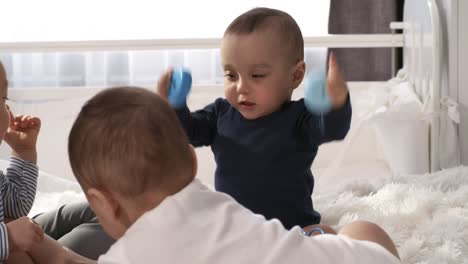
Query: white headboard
(422,53)
(422,45)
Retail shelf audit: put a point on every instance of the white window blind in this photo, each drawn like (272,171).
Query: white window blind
(90,20)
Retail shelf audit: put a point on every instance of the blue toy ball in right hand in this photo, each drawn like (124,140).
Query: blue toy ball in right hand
(181,82)
(316,98)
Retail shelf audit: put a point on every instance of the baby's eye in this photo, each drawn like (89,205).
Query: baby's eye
(229,76)
(258,75)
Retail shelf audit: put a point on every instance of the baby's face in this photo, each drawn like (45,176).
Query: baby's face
(4,113)
(257,73)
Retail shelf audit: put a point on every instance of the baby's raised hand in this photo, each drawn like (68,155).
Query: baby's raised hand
(174,86)
(164,83)
(336,86)
(23,234)
(22,136)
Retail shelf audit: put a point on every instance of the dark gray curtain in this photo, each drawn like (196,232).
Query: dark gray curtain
(365,17)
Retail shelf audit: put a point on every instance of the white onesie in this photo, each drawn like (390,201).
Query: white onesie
(198,225)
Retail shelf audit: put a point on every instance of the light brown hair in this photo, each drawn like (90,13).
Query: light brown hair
(129,140)
(262,18)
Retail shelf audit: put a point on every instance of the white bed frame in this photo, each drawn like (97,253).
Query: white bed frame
(422,51)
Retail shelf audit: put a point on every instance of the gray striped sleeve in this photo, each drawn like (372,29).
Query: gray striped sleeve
(3,242)
(19,188)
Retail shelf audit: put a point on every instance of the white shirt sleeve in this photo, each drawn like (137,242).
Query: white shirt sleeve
(116,254)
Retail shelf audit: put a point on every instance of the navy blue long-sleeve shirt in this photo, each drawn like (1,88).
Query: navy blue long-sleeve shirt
(265,163)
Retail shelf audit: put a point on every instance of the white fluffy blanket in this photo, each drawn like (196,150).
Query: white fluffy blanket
(426,215)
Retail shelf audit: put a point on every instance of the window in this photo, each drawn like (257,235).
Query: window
(55,20)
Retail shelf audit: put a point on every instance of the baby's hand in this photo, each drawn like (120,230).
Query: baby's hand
(23,234)
(164,83)
(336,86)
(22,136)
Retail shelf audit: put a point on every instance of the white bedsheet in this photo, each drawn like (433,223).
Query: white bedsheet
(53,191)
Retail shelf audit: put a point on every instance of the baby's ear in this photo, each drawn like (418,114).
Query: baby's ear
(108,211)
(298,73)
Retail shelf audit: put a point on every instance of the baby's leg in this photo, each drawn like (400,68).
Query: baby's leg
(362,230)
(76,227)
(59,222)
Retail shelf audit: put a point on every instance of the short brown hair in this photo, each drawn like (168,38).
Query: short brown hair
(3,77)
(261,18)
(129,140)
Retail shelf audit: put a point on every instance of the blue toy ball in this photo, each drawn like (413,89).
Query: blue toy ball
(181,82)
(316,98)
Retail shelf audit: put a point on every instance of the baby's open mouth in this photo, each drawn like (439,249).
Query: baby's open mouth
(247,103)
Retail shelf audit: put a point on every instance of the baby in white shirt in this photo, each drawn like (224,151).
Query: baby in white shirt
(133,160)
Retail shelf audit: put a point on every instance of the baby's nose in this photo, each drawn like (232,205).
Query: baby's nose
(242,87)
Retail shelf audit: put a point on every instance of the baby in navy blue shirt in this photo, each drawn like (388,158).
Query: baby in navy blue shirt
(263,142)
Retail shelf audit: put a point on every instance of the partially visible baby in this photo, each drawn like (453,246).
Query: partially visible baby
(18,233)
